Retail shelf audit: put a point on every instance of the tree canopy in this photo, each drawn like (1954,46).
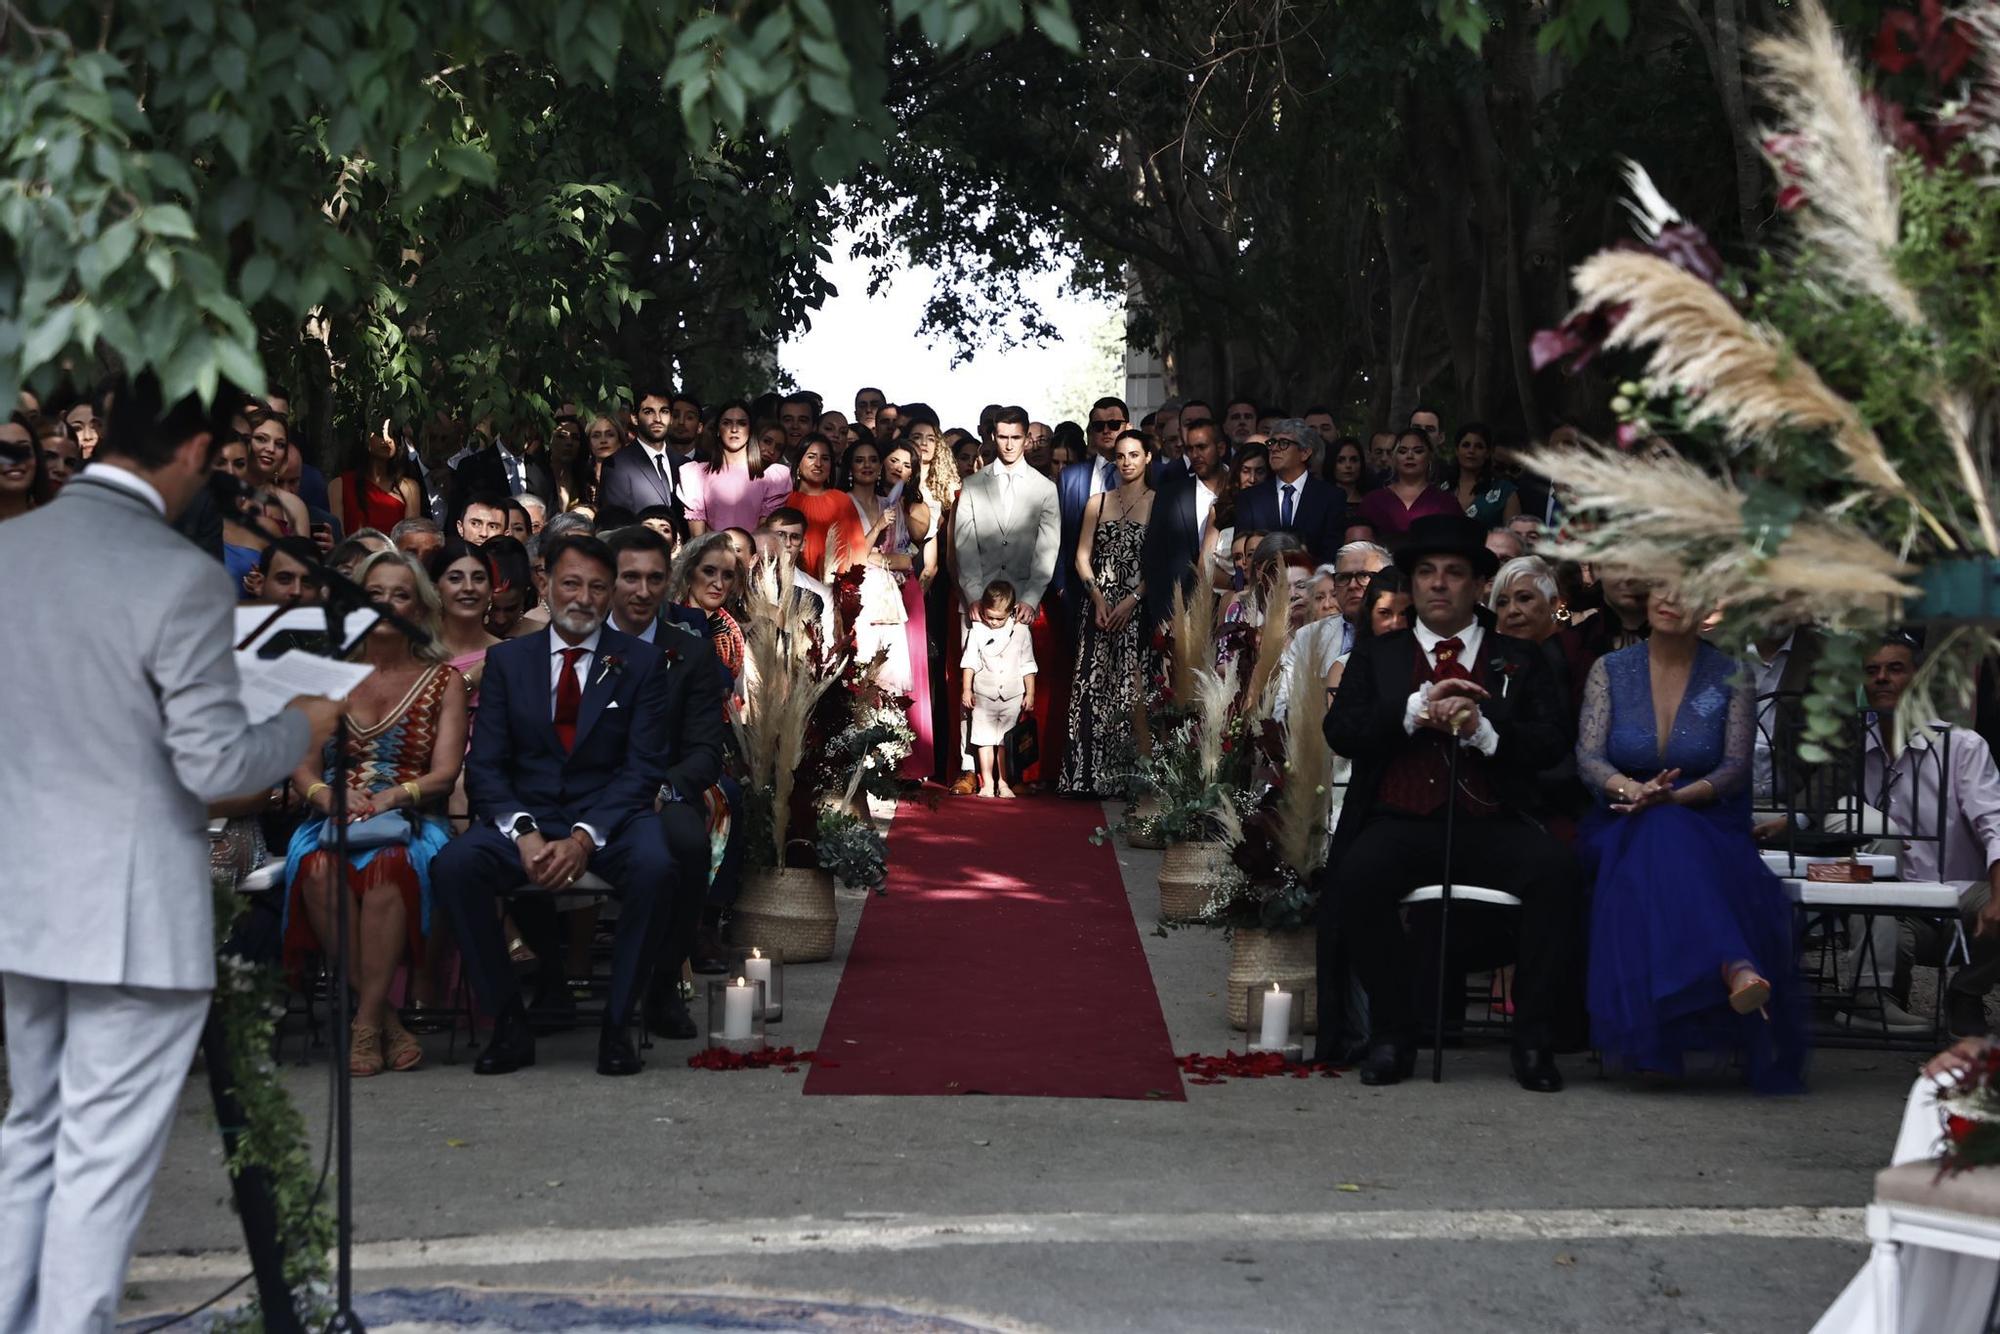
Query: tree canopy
(480,202)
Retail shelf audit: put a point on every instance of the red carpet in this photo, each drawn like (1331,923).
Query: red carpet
(1004,960)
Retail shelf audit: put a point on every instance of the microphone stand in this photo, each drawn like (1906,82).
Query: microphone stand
(340,595)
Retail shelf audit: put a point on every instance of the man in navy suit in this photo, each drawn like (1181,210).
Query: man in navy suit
(1172,550)
(1291,499)
(1080,481)
(581,732)
(646,472)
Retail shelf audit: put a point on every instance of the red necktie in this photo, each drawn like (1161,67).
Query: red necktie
(569,698)
(1449,668)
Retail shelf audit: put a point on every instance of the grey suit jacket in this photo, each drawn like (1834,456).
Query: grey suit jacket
(121,723)
(1016,540)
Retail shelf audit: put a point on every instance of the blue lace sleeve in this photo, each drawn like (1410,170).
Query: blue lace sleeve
(1593,732)
(1733,774)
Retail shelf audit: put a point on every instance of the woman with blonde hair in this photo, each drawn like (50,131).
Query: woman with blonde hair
(405,745)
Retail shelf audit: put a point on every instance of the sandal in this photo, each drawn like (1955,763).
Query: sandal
(401,1050)
(1749,993)
(364,1054)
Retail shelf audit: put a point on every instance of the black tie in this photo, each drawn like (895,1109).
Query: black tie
(666,482)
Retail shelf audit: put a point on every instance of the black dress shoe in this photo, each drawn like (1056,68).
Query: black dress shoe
(1535,1070)
(614,1052)
(512,1046)
(1388,1063)
(667,1017)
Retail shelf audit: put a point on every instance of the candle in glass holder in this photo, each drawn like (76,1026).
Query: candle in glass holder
(758,969)
(738,1007)
(1277,1019)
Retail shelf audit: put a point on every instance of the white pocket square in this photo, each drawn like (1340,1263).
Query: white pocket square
(612,705)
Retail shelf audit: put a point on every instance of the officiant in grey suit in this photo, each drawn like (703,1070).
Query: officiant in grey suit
(122,724)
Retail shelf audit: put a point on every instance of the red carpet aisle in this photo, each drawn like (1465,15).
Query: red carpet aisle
(1004,959)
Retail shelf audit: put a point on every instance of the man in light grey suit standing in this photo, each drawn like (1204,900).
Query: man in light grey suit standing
(1008,524)
(107,949)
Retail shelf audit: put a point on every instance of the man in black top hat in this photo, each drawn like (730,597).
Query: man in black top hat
(1405,700)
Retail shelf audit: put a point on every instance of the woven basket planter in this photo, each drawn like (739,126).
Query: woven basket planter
(787,911)
(1145,808)
(1189,873)
(1259,957)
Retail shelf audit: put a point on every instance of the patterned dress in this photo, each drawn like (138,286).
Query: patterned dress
(394,751)
(1109,670)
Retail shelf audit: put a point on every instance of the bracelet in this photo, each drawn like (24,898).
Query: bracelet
(315,788)
(416,793)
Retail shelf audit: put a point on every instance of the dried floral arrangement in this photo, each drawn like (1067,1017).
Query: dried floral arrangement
(1809,437)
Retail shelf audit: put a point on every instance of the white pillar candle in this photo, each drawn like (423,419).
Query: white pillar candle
(738,1006)
(1277,1019)
(757,968)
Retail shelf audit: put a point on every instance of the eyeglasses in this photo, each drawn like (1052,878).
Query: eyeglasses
(1346,578)
(1278,442)
(1106,426)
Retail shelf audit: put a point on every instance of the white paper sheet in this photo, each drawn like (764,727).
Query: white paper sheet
(271,683)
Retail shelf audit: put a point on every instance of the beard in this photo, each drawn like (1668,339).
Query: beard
(578,620)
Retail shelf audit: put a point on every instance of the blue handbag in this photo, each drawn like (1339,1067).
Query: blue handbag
(389,829)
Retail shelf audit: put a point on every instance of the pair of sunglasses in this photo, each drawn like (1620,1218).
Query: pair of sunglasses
(14,452)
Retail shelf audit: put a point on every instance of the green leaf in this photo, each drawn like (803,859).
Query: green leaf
(259,272)
(169,221)
(1058,26)
(240,365)
(830,94)
(47,337)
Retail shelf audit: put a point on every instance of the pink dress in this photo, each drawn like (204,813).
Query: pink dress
(731,497)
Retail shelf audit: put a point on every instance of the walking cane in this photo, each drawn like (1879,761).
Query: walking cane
(1444,906)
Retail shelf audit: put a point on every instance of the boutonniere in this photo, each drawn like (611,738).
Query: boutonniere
(671,654)
(1504,668)
(608,666)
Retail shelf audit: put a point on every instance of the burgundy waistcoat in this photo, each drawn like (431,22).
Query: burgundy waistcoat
(1416,779)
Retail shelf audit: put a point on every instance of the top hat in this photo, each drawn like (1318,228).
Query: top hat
(1447,535)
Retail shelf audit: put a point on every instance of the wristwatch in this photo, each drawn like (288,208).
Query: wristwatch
(523,825)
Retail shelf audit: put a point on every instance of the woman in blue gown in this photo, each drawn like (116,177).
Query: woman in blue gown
(1691,944)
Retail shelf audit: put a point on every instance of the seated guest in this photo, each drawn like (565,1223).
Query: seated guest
(1523,605)
(464,583)
(419,537)
(639,596)
(514,593)
(1688,929)
(1280,569)
(705,576)
(1316,647)
(520,525)
(287,573)
(561,781)
(405,743)
(21,468)
(1969,858)
(1404,698)
(348,554)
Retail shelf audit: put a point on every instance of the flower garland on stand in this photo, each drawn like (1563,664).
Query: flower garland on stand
(250,1000)
(1971,1110)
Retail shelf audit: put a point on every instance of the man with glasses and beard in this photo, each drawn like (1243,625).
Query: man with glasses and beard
(591,751)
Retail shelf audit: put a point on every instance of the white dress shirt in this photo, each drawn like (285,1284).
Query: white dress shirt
(656,460)
(1103,478)
(1204,501)
(644,634)
(1483,738)
(127,480)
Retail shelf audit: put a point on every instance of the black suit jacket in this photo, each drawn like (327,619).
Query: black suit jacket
(482,474)
(1172,548)
(655,717)
(1365,723)
(631,482)
(1319,514)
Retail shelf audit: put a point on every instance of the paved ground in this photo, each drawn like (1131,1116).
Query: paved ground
(1280,1205)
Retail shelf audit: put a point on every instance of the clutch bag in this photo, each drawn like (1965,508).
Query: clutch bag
(377,831)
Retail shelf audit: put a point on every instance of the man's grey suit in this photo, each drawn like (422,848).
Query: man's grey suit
(1007,526)
(121,723)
